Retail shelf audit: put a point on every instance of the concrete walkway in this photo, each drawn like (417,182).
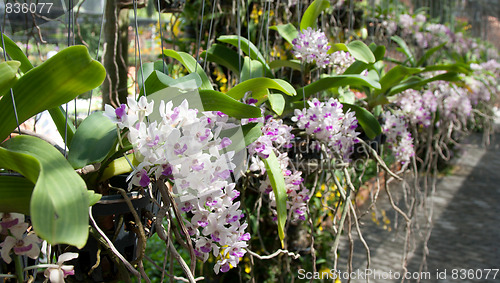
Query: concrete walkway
(465,237)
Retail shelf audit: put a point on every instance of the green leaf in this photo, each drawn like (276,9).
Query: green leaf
(277,102)
(58,80)
(224,56)
(148,68)
(15,194)
(59,202)
(404,49)
(368,122)
(378,51)
(158,81)
(418,83)
(288,32)
(217,101)
(258,85)
(93,140)
(361,51)
(251,132)
(8,71)
(456,67)
(248,48)
(277,180)
(294,64)
(191,65)
(396,75)
(429,53)
(251,69)
(327,82)
(93,197)
(63,125)
(17,54)
(312,13)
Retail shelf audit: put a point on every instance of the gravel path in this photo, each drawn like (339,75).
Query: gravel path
(465,238)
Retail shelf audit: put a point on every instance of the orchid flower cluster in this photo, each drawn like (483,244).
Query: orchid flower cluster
(23,243)
(341,61)
(17,240)
(417,107)
(485,81)
(312,46)
(187,148)
(277,136)
(454,102)
(330,126)
(399,140)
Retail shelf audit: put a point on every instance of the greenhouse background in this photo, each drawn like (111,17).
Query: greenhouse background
(400,186)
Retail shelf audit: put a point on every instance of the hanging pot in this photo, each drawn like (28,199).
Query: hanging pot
(169,6)
(112,215)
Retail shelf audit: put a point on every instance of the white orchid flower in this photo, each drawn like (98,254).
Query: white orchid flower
(57,272)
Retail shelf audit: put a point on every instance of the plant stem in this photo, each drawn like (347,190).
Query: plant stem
(19,268)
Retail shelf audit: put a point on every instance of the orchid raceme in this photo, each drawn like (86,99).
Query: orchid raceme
(312,46)
(188,148)
(398,137)
(277,137)
(329,125)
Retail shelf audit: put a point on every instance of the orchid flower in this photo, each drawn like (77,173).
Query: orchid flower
(57,272)
(21,244)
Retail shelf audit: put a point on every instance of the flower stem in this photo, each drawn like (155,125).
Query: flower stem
(19,268)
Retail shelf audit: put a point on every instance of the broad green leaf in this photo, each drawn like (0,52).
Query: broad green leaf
(277,180)
(378,51)
(404,48)
(429,53)
(277,102)
(17,54)
(217,101)
(251,132)
(148,68)
(224,56)
(8,71)
(337,81)
(356,68)
(395,76)
(357,49)
(251,69)
(59,202)
(248,48)
(287,31)
(15,194)
(58,80)
(457,68)
(158,81)
(294,64)
(417,84)
(191,65)
(258,85)
(312,13)
(361,51)
(63,125)
(368,122)
(93,140)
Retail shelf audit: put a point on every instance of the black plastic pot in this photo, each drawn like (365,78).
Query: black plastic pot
(112,215)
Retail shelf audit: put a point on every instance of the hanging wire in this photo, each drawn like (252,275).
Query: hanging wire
(209,34)
(238,26)
(70,18)
(198,41)
(139,47)
(248,38)
(97,53)
(161,37)
(11,91)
